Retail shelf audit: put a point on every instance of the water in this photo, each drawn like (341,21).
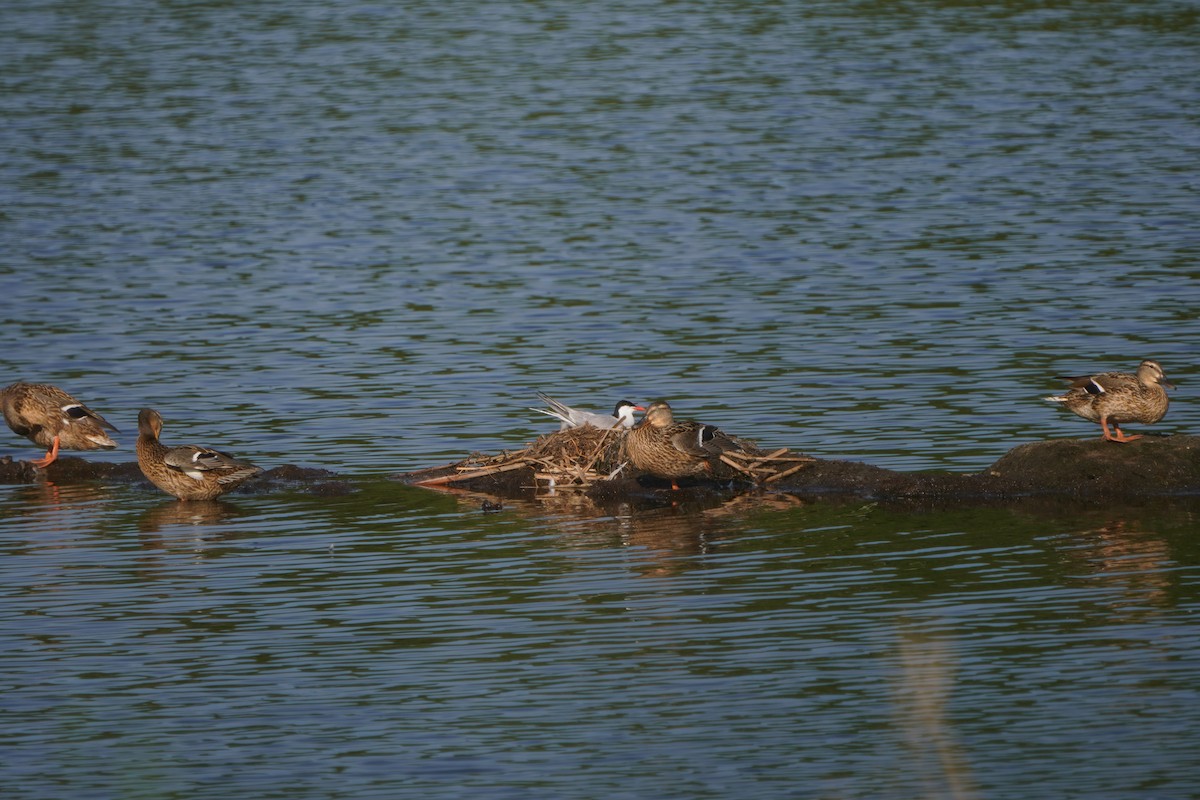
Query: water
(361,236)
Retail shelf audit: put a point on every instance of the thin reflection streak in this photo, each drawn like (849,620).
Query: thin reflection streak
(921,694)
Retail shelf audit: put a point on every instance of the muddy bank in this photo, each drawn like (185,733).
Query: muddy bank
(72,469)
(1081,468)
(1088,468)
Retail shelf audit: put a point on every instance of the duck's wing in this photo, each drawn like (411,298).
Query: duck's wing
(694,439)
(30,406)
(79,411)
(1101,383)
(200,462)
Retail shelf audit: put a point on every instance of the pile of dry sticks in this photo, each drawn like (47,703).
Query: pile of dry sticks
(580,457)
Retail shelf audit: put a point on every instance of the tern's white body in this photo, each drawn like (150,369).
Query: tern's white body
(573,417)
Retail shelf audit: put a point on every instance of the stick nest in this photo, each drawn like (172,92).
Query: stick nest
(580,457)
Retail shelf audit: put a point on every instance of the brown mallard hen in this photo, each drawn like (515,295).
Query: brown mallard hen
(50,417)
(1117,398)
(672,449)
(188,471)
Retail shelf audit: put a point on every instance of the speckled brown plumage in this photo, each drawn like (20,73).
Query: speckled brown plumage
(1118,398)
(50,417)
(186,471)
(672,449)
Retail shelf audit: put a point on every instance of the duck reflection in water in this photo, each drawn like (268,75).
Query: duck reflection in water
(662,530)
(55,510)
(188,514)
(1137,562)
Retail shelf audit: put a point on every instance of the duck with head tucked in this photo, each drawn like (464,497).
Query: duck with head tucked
(1117,398)
(667,448)
(50,417)
(188,471)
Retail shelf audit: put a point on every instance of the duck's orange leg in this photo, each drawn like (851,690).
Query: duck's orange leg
(48,459)
(1121,436)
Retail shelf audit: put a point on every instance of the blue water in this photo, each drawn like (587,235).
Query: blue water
(362,236)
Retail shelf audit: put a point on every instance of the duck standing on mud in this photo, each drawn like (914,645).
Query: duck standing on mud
(1118,397)
(187,471)
(48,416)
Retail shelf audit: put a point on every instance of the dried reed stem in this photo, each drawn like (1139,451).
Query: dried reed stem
(786,472)
(466,476)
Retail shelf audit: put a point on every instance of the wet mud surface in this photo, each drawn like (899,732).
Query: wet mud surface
(72,469)
(1077,468)
(1080,468)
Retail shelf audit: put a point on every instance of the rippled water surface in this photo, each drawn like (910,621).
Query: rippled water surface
(360,236)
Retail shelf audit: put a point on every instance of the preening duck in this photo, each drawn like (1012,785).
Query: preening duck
(188,471)
(50,417)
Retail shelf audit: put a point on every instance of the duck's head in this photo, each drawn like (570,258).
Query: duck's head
(1149,373)
(149,422)
(659,414)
